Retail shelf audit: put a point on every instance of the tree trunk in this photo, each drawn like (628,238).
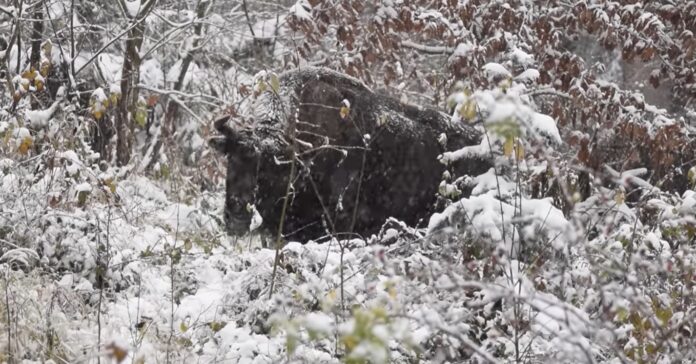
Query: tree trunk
(36,38)
(130,77)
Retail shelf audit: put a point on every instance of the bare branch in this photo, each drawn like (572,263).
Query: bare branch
(426,48)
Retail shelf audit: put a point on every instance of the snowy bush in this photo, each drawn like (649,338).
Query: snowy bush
(577,246)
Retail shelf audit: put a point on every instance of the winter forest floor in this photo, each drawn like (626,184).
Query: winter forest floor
(577,245)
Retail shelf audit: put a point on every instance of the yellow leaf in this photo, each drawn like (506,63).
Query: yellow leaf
(291,343)
(6,137)
(651,349)
(344,112)
(260,86)
(621,315)
(468,110)
(519,150)
(111,185)
(664,314)
(29,75)
(217,326)
(619,196)
(350,342)
(141,117)
(331,295)
(508,147)
(183,327)
(114,97)
(38,84)
(275,83)
(97,114)
(45,68)
(25,145)
(116,352)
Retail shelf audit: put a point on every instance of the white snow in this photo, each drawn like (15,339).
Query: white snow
(319,322)
(487,216)
(256,219)
(495,70)
(545,125)
(39,119)
(490,182)
(528,75)
(521,57)
(463,50)
(133,8)
(302,10)
(83,187)
(470,152)
(99,95)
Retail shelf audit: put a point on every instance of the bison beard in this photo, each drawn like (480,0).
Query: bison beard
(381,157)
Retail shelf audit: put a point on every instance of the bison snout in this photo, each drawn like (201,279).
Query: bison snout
(237,224)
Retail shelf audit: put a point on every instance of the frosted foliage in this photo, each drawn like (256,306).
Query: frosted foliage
(559,225)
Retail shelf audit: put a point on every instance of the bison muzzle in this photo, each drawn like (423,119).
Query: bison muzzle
(358,157)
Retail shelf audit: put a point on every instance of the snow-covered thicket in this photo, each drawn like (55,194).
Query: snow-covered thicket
(576,246)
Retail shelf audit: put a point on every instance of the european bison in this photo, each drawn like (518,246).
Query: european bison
(353,147)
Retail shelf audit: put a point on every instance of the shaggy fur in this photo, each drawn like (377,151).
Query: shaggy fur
(398,143)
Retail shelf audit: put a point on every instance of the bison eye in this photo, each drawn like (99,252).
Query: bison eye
(221,144)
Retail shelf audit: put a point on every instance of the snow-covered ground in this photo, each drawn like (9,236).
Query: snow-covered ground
(119,269)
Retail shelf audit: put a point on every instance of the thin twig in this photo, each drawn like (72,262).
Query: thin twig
(279,235)
(108,44)
(246,14)
(9,318)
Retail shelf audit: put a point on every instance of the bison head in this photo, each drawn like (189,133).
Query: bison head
(242,167)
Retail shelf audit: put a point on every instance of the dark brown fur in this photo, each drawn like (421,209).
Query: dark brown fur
(400,175)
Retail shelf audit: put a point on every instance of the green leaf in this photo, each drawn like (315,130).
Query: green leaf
(508,146)
(261,86)
(468,110)
(663,314)
(291,344)
(82,197)
(141,117)
(217,325)
(621,314)
(275,83)
(506,128)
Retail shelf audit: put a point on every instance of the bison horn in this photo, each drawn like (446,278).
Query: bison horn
(232,141)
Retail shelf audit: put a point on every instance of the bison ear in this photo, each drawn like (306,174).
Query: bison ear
(221,124)
(234,144)
(223,144)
